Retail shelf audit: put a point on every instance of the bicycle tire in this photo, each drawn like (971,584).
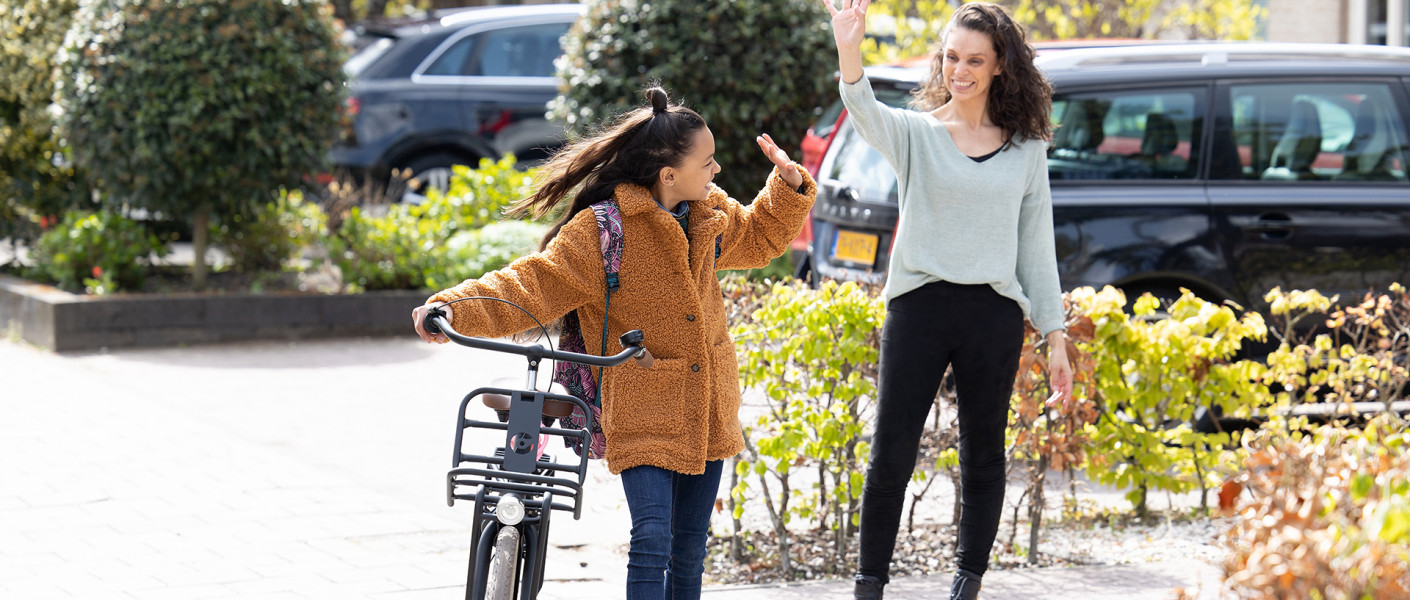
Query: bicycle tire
(499,579)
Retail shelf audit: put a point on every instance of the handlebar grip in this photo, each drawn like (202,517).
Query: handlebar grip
(644,358)
(429,323)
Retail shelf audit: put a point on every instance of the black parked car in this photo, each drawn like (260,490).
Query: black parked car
(1227,169)
(473,84)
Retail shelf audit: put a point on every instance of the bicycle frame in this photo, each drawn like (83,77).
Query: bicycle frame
(518,467)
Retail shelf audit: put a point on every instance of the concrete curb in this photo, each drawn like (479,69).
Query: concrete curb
(63,322)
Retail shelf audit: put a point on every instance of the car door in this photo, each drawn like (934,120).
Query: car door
(500,77)
(1311,190)
(1129,202)
(507,83)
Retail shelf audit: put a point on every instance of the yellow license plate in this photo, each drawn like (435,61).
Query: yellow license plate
(854,247)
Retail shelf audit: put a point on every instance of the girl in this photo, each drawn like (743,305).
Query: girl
(973,257)
(668,428)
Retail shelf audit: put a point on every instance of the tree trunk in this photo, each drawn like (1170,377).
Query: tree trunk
(1035,509)
(343,11)
(200,238)
(376,9)
(736,541)
(959,493)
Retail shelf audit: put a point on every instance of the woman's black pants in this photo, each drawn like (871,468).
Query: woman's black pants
(980,334)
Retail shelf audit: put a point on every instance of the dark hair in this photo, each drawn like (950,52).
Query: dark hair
(1020,98)
(632,149)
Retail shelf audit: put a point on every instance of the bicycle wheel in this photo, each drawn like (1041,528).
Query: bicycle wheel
(499,580)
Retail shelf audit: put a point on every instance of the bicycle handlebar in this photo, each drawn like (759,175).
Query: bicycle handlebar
(436,322)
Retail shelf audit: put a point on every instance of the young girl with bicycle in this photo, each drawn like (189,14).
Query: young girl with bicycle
(973,256)
(669,427)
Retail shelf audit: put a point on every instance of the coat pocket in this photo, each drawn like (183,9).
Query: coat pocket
(725,371)
(645,401)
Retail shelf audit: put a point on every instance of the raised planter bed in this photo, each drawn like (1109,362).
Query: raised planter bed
(63,322)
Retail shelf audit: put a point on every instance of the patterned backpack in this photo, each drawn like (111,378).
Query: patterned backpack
(576,378)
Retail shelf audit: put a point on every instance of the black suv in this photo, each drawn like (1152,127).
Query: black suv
(474,84)
(1227,169)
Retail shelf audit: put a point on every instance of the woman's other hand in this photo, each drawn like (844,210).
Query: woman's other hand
(418,318)
(849,27)
(1059,371)
(786,167)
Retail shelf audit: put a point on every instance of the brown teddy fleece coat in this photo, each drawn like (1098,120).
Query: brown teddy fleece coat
(684,410)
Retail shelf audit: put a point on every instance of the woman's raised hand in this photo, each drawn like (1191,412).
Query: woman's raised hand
(849,25)
(786,166)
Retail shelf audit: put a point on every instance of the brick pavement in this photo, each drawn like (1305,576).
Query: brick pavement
(306,471)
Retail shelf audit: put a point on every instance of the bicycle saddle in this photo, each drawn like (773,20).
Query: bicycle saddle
(551,407)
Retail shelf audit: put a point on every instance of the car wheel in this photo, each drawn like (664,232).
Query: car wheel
(422,174)
(1166,296)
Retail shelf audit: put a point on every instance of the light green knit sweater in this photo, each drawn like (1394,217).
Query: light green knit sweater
(963,221)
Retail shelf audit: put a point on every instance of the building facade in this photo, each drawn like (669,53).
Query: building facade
(1340,21)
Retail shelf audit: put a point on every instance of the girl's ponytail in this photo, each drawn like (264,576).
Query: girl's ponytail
(632,149)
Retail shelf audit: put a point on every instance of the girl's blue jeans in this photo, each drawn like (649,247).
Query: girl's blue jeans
(670,524)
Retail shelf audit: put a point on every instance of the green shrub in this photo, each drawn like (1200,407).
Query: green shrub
(197,109)
(477,197)
(1151,376)
(439,243)
(395,251)
(271,234)
(470,254)
(748,67)
(109,248)
(36,178)
(813,354)
(1358,354)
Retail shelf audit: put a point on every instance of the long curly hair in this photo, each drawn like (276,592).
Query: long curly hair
(1020,98)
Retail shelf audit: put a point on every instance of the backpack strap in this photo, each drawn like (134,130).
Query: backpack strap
(609,230)
(575,377)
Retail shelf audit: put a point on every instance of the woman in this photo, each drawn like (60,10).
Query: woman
(973,256)
(668,428)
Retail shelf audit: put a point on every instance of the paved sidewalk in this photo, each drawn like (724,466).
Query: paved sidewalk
(307,471)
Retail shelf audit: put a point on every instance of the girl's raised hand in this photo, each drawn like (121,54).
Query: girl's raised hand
(786,166)
(849,24)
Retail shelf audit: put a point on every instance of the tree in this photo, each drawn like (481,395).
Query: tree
(1085,19)
(906,29)
(1218,19)
(900,29)
(747,66)
(201,108)
(36,179)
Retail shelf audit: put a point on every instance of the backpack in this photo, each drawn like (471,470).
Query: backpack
(577,378)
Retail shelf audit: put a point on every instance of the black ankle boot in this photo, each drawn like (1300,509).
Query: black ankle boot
(965,587)
(867,588)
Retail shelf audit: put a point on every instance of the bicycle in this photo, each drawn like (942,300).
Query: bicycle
(517,489)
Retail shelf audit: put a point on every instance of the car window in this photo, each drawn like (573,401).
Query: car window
(1145,134)
(511,52)
(366,55)
(453,60)
(1343,131)
(859,166)
(519,52)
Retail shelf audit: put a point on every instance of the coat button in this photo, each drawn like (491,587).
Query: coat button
(695,367)
(690,317)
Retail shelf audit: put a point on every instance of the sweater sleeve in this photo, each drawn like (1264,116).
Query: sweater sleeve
(881,126)
(1037,253)
(760,232)
(548,284)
